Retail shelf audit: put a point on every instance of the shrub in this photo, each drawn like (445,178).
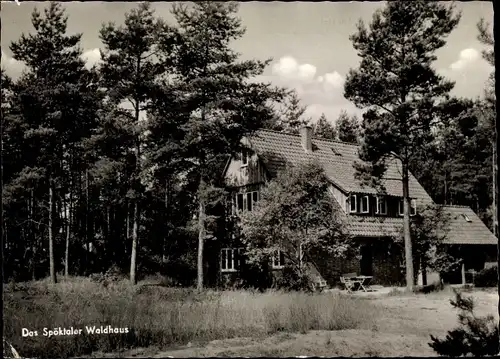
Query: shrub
(433,287)
(476,336)
(290,280)
(488,277)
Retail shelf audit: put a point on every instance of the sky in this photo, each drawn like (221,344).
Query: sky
(307,41)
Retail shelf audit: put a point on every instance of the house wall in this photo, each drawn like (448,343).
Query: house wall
(340,196)
(385,266)
(238,175)
(476,257)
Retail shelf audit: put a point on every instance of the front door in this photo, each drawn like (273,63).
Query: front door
(366,265)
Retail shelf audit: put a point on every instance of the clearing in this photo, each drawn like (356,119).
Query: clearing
(402,327)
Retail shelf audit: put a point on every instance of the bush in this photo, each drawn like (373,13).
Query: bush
(476,336)
(433,287)
(291,280)
(487,278)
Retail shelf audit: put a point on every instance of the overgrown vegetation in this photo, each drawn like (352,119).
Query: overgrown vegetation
(488,277)
(298,216)
(476,336)
(162,317)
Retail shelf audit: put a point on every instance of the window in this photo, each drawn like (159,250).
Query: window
(246,201)
(381,206)
(413,207)
(353,203)
(230,259)
(244,157)
(365,204)
(278,260)
(239,202)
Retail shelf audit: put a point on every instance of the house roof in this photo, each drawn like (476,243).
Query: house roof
(277,150)
(368,226)
(465,227)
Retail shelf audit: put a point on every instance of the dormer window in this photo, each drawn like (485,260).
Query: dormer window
(381,206)
(466,217)
(413,207)
(353,203)
(365,204)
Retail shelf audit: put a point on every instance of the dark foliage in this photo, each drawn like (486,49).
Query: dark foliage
(476,336)
(488,277)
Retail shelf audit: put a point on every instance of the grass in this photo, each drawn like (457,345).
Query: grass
(162,317)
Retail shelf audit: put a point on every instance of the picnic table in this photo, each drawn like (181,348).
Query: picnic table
(354,282)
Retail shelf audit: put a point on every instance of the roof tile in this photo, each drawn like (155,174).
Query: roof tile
(278,150)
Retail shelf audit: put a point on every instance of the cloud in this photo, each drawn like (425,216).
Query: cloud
(320,92)
(12,67)
(288,67)
(91,57)
(466,58)
(332,79)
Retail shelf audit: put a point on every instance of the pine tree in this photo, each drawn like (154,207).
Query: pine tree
(221,103)
(290,116)
(324,129)
(56,101)
(395,81)
(348,128)
(130,68)
(488,106)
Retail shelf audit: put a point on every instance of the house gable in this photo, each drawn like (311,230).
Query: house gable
(245,169)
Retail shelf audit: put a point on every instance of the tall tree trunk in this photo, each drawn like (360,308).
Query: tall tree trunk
(133,254)
(53,278)
(108,230)
(32,234)
(445,189)
(201,233)
(495,194)
(87,222)
(69,220)
(423,264)
(128,222)
(135,226)
(167,224)
(496,11)
(406,229)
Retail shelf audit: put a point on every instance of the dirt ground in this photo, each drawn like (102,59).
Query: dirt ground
(402,328)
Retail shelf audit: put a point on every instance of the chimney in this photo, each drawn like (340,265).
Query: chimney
(306,137)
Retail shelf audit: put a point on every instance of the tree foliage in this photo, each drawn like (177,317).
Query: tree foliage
(348,128)
(296,214)
(53,111)
(396,84)
(476,336)
(220,103)
(290,114)
(324,129)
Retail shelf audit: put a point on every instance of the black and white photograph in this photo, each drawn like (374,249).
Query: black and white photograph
(249,179)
